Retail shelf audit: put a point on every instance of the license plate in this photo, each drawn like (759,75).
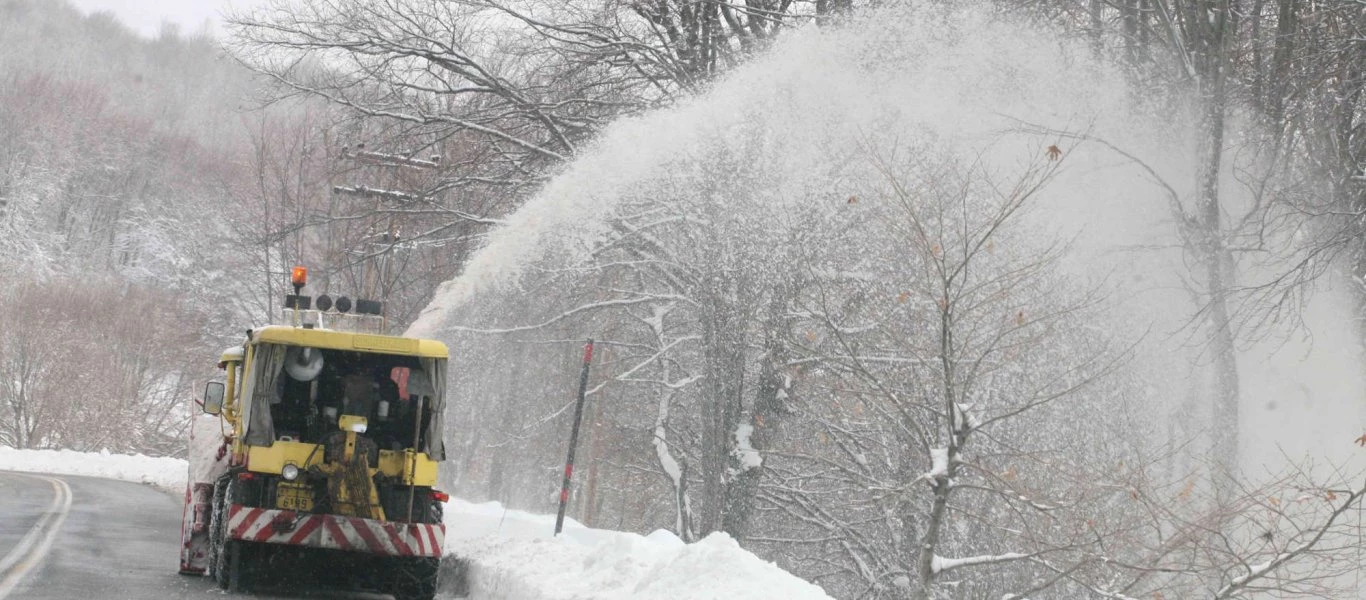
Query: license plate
(293,497)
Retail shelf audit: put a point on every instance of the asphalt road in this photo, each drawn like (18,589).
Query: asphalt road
(80,538)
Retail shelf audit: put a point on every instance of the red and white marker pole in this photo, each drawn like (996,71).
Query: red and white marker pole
(574,435)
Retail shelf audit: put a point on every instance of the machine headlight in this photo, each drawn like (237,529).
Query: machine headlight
(290,472)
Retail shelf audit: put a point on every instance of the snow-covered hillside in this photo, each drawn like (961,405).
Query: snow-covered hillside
(511,553)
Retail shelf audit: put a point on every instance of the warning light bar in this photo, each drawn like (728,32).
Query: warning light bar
(343,304)
(369,307)
(299,310)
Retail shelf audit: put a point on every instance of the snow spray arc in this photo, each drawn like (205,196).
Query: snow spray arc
(774,145)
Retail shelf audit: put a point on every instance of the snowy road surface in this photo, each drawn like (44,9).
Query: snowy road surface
(115,541)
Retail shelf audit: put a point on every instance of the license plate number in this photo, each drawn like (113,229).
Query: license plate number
(293,498)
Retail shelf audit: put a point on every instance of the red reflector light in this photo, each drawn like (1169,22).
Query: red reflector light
(440,496)
(246,476)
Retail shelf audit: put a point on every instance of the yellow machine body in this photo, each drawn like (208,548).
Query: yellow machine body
(412,468)
(408,467)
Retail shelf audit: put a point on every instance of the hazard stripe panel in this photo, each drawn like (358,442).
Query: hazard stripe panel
(337,532)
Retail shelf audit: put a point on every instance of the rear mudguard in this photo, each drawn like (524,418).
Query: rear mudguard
(194,528)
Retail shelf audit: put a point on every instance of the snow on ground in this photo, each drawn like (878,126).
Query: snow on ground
(512,553)
(165,473)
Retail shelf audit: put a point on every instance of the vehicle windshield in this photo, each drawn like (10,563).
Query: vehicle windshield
(300,393)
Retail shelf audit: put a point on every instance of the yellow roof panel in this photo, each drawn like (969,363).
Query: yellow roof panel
(350,341)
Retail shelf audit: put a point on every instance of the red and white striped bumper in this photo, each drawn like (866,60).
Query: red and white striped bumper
(337,532)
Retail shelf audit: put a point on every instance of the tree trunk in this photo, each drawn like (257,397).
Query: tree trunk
(1350,144)
(1129,19)
(1258,92)
(769,399)
(1212,42)
(724,369)
(1278,90)
(1097,28)
(948,354)
(924,563)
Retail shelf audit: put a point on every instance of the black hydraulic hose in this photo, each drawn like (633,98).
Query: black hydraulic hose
(412,465)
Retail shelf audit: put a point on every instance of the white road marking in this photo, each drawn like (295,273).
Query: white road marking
(35,544)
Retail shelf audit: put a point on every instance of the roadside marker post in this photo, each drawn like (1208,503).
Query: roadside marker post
(574,435)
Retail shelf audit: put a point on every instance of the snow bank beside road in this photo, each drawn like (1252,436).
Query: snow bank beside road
(626,566)
(165,473)
(511,553)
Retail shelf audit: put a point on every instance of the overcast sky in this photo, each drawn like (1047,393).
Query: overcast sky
(146,16)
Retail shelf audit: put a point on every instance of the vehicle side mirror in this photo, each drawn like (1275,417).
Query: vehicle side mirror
(213,398)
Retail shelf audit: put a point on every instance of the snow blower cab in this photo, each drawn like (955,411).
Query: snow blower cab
(331,443)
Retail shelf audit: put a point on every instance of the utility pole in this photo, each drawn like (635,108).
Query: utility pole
(378,276)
